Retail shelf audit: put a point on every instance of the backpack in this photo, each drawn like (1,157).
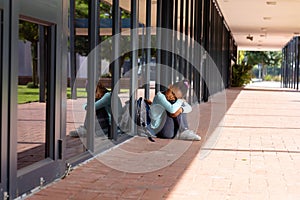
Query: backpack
(142,115)
(141,118)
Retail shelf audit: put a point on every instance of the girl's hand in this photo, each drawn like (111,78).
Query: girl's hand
(178,112)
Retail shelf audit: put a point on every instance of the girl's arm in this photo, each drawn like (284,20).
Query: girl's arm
(101,103)
(171,108)
(104,101)
(178,112)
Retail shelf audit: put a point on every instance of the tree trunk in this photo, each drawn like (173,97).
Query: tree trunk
(34,64)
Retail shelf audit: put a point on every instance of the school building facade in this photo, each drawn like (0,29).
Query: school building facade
(35,146)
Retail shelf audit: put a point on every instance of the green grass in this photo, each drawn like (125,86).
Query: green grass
(27,95)
(81,93)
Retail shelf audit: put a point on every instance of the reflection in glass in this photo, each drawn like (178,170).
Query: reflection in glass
(31,97)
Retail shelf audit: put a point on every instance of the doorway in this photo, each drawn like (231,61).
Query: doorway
(36,45)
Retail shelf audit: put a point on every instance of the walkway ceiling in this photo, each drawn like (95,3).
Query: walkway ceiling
(271,23)
(256,25)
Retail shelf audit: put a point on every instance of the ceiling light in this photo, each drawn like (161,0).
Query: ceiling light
(263,29)
(267,18)
(271,3)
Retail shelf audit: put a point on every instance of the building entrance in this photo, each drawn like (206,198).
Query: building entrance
(32,130)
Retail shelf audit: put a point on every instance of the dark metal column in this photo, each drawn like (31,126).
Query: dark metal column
(42,63)
(228,67)
(4,105)
(191,49)
(197,54)
(134,58)
(282,67)
(181,47)
(290,66)
(166,41)
(298,63)
(148,50)
(51,87)
(116,29)
(175,40)
(206,44)
(296,58)
(11,18)
(73,70)
(287,66)
(5,51)
(186,32)
(289,71)
(158,50)
(93,39)
(212,84)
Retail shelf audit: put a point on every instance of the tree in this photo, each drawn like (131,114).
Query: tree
(264,58)
(81,11)
(105,12)
(29,31)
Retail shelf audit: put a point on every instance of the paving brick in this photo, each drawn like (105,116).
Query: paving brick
(256,155)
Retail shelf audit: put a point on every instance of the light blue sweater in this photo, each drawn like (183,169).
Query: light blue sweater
(105,102)
(159,106)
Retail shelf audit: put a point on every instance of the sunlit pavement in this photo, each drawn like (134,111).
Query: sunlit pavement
(256,156)
(264,84)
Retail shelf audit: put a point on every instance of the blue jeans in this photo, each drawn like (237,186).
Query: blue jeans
(101,120)
(172,126)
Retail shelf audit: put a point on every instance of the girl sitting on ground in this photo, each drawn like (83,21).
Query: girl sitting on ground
(168,113)
(103,112)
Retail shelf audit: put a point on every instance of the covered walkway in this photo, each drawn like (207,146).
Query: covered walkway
(256,156)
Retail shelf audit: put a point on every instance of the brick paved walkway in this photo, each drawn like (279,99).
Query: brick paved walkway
(254,153)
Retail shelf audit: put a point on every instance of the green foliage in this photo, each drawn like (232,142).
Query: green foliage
(105,12)
(81,9)
(28,31)
(269,77)
(241,74)
(81,45)
(266,59)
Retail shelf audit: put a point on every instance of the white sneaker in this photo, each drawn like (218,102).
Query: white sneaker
(79,132)
(188,135)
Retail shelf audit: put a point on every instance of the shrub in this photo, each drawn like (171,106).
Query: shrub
(272,78)
(32,85)
(268,77)
(107,75)
(277,78)
(241,74)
